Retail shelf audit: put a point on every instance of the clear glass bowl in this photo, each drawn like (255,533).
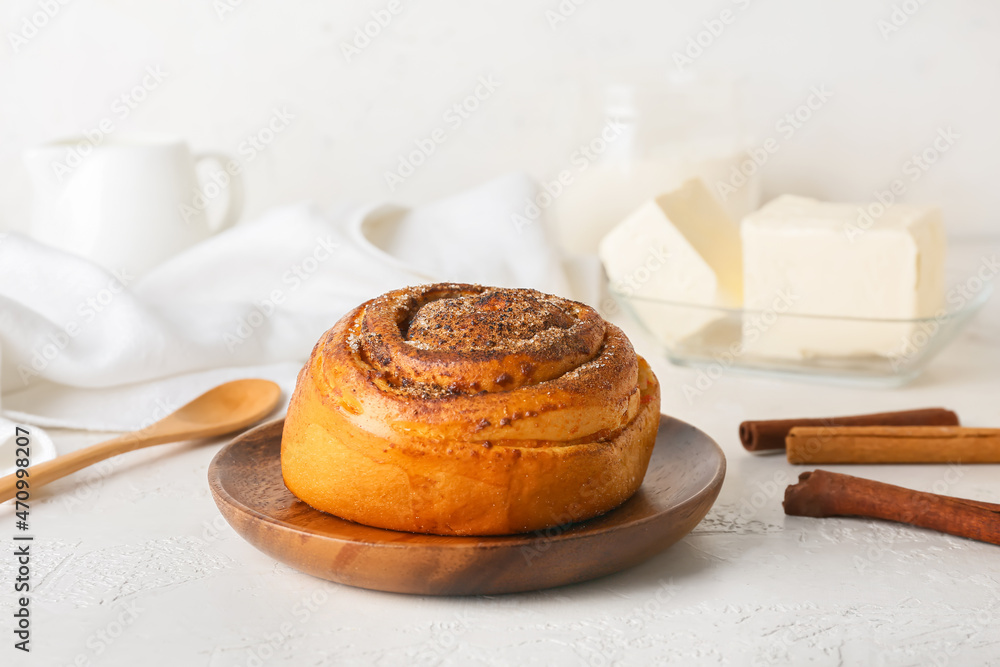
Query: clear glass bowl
(885,352)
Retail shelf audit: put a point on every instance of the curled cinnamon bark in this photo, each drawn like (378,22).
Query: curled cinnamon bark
(824,494)
(893,444)
(770,434)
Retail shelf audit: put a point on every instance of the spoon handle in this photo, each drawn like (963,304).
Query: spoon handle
(49,471)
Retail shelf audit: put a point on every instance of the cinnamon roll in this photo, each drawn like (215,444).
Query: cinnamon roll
(467,410)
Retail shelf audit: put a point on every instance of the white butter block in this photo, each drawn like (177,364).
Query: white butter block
(682,248)
(802,256)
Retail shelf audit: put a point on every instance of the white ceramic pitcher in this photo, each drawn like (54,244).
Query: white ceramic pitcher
(129,204)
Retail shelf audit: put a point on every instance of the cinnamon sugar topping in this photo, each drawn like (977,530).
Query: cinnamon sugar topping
(448,339)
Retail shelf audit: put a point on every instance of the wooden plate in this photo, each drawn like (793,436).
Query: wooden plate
(683,480)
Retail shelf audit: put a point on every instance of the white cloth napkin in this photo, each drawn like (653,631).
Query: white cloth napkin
(85,348)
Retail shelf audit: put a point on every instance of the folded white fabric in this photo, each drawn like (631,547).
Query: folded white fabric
(85,348)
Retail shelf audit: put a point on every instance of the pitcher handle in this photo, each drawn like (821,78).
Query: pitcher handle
(231,182)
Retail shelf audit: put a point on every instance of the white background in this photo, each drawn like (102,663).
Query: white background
(227,71)
(746,587)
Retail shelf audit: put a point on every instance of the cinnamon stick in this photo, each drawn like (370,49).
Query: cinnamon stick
(770,434)
(823,494)
(893,444)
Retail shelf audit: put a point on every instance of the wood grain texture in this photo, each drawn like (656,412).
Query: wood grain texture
(893,444)
(681,484)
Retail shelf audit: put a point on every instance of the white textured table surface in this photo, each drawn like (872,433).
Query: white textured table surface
(133,565)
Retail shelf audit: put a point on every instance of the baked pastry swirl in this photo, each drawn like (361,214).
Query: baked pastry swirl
(468,410)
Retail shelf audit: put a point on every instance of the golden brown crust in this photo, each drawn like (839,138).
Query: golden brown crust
(460,409)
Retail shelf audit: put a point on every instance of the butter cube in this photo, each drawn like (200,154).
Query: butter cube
(680,248)
(836,261)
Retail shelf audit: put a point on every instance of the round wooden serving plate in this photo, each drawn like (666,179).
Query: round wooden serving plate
(683,480)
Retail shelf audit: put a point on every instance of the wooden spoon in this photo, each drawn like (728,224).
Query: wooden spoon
(227,408)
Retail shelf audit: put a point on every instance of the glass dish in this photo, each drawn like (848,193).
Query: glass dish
(880,352)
